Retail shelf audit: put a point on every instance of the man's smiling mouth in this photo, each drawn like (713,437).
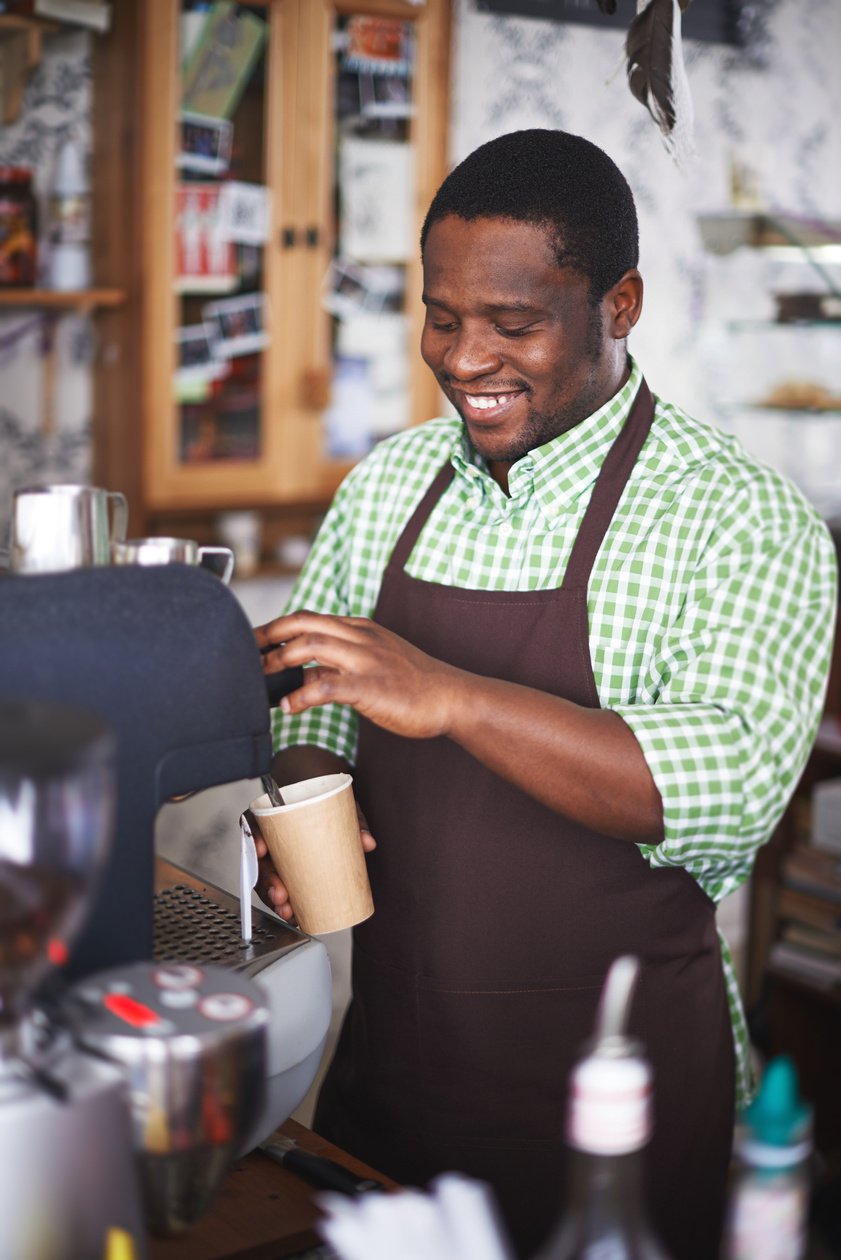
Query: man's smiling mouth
(485,401)
(488,404)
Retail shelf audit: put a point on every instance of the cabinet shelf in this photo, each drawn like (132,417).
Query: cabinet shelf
(76,299)
(778,409)
(784,325)
(725,232)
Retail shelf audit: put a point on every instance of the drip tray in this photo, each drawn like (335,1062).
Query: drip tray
(197,922)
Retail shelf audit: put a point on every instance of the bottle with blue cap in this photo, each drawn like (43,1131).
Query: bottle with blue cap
(770,1200)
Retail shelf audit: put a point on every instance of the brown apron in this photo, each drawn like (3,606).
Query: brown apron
(477,979)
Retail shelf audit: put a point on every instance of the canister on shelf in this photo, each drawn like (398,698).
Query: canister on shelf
(18,228)
(69,221)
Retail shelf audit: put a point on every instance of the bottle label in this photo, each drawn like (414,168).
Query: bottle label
(70,220)
(769,1221)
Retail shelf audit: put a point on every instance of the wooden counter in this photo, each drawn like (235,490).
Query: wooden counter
(261,1211)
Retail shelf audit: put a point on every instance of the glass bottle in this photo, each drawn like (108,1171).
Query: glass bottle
(608,1128)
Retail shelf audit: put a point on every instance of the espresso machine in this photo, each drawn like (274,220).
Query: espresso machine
(165,657)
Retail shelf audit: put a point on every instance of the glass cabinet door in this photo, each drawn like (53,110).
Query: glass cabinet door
(379,98)
(374,232)
(287,163)
(214,99)
(221,224)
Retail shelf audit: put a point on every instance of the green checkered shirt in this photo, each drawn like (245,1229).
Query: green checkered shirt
(711,605)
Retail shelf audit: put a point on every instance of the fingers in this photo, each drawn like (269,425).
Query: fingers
(321,686)
(368,841)
(272,890)
(303,637)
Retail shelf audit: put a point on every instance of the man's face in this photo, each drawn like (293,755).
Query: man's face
(514,340)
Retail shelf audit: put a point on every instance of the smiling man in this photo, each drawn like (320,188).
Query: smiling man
(573,645)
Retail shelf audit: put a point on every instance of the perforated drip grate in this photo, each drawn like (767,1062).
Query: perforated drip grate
(199,923)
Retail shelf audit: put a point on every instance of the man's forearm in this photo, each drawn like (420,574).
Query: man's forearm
(584,763)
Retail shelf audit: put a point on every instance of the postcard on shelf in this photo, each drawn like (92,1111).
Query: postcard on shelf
(244,212)
(378,45)
(204,261)
(350,289)
(205,143)
(347,420)
(377,196)
(197,363)
(221,61)
(237,325)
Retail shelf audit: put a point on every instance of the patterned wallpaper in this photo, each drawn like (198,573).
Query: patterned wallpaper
(45,438)
(776,107)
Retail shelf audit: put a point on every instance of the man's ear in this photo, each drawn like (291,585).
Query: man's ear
(623,304)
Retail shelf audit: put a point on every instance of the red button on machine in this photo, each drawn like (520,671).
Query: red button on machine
(130,1010)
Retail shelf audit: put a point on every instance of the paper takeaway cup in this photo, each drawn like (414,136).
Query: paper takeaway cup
(314,842)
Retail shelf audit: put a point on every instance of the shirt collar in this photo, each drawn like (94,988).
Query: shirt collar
(561,470)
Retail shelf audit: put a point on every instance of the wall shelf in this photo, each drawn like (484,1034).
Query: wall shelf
(723,233)
(20,52)
(76,299)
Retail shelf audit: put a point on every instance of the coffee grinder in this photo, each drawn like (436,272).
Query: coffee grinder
(62,1194)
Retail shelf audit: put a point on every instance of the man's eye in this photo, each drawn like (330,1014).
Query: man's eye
(514,332)
(439,326)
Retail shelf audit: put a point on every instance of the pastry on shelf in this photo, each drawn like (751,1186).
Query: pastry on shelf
(801,396)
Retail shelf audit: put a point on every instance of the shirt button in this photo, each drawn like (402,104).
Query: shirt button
(505,528)
(475,500)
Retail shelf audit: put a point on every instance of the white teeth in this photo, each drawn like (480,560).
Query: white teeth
(483,402)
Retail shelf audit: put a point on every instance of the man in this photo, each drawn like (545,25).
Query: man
(574,646)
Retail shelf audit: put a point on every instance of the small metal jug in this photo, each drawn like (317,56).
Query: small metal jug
(56,527)
(152,550)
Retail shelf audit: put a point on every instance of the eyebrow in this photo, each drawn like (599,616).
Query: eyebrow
(523,308)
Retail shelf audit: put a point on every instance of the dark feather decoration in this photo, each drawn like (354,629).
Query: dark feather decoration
(656,73)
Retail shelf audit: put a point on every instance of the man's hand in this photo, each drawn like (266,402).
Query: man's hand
(354,661)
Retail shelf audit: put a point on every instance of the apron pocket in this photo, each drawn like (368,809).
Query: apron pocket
(495,1061)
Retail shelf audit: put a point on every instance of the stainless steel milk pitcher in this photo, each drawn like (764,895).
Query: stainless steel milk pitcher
(153,550)
(56,527)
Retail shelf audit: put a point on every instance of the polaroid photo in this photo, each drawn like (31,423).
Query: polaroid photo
(352,289)
(197,361)
(205,143)
(244,212)
(237,325)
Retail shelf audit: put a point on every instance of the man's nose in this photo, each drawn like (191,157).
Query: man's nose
(469,354)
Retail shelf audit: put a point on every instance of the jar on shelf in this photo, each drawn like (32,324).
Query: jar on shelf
(18,228)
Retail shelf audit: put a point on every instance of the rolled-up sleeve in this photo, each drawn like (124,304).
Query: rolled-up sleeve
(730,700)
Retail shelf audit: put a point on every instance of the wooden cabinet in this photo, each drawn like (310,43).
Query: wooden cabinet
(259,434)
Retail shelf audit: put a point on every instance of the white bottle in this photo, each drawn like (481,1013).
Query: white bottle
(609,1126)
(69,220)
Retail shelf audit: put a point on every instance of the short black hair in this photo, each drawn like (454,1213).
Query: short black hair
(549,177)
